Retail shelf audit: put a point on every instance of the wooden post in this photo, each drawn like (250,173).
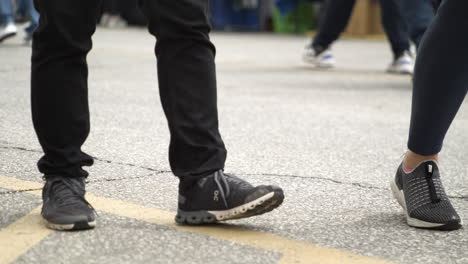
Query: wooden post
(366,19)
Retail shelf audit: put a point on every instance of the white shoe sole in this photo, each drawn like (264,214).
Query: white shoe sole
(407,70)
(6,36)
(242,209)
(69,227)
(321,65)
(261,205)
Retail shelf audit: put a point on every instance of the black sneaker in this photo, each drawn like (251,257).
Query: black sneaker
(220,197)
(65,207)
(423,198)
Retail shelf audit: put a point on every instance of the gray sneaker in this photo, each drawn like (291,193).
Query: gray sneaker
(423,198)
(220,197)
(65,207)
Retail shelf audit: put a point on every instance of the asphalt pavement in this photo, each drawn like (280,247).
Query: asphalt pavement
(331,138)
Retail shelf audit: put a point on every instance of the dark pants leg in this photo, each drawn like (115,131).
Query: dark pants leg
(187,84)
(186,76)
(59,88)
(6,12)
(111,7)
(440,79)
(336,17)
(418,15)
(333,21)
(395,26)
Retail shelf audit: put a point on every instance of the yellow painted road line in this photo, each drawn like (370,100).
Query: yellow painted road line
(22,235)
(18,185)
(293,251)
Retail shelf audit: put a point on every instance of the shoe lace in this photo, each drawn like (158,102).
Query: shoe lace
(67,192)
(238,181)
(431,183)
(220,180)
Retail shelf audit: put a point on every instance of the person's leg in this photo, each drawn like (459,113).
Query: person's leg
(418,15)
(440,86)
(395,27)
(6,12)
(397,32)
(110,7)
(7,27)
(440,81)
(187,86)
(21,9)
(34,16)
(436,4)
(334,17)
(59,101)
(59,85)
(112,10)
(332,22)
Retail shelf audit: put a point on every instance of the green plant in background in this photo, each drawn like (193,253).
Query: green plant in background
(299,21)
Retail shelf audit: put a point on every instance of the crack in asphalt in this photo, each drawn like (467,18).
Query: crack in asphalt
(157,172)
(19,148)
(95,158)
(122,179)
(360,185)
(87,181)
(133,165)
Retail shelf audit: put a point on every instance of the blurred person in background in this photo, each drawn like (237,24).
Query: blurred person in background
(30,12)
(7,25)
(20,13)
(187,86)
(439,88)
(111,14)
(333,21)
(418,15)
(26,10)
(132,13)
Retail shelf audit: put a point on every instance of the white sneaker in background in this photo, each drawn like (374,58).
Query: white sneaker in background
(112,21)
(7,31)
(116,21)
(403,64)
(325,59)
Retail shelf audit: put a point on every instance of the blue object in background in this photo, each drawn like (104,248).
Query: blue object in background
(286,6)
(6,12)
(225,16)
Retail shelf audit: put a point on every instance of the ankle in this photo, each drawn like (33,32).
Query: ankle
(318,49)
(412,160)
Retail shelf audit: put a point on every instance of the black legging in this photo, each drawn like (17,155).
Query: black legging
(336,14)
(440,78)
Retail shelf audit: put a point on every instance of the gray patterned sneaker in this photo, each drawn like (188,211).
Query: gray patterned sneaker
(65,207)
(220,197)
(423,198)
